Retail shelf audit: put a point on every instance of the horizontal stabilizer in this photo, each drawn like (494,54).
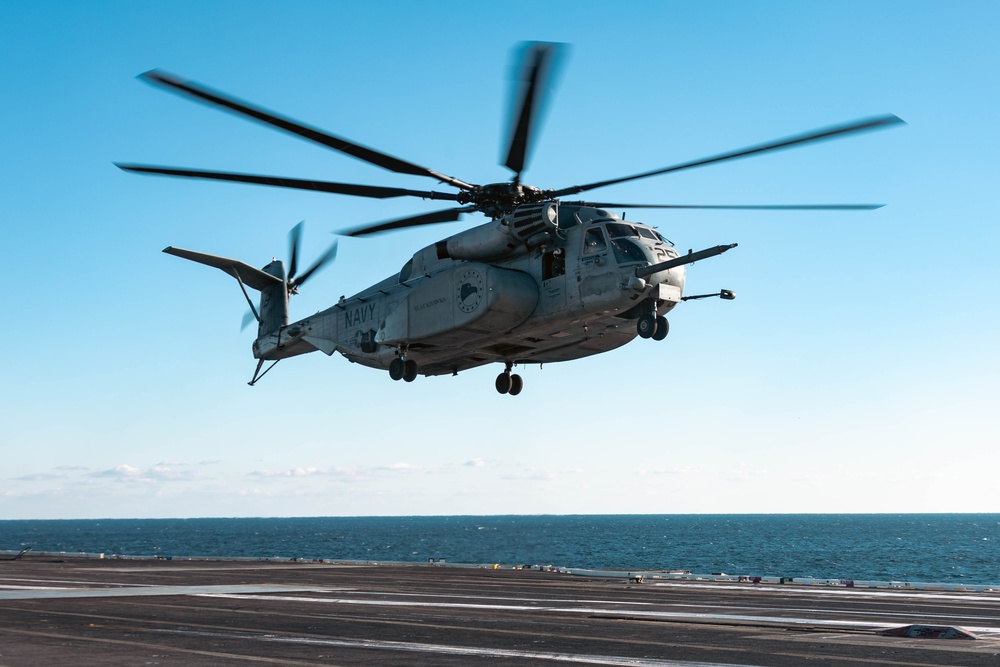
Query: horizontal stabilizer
(249,275)
(324,345)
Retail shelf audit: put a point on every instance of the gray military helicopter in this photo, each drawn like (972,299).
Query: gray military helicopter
(544,280)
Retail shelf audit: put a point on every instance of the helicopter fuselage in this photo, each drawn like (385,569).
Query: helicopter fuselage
(549,282)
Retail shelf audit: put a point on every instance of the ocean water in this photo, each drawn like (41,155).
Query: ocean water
(955,548)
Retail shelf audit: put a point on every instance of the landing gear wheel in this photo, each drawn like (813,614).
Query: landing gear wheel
(396,369)
(662,328)
(516,385)
(505,383)
(409,370)
(646,326)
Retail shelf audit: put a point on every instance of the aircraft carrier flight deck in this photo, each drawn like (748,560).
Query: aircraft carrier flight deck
(89,611)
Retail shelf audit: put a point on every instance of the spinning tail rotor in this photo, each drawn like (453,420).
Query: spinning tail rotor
(294,242)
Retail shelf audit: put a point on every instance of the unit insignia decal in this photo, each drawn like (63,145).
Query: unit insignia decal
(470,290)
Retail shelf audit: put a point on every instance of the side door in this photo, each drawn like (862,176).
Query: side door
(553,272)
(597,272)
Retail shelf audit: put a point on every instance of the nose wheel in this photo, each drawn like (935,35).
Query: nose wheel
(650,326)
(509,383)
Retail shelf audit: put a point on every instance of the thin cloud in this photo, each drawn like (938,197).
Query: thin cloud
(681,470)
(288,472)
(399,467)
(40,477)
(745,473)
(347,474)
(122,471)
(539,475)
(157,473)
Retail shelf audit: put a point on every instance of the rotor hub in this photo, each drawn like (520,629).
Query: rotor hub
(500,199)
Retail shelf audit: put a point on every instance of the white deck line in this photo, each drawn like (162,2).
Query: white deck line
(472,651)
(545,607)
(146,591)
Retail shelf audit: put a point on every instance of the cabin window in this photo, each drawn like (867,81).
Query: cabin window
(593,241)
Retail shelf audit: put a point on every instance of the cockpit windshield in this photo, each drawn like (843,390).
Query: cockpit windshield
(648,233)
(617,230)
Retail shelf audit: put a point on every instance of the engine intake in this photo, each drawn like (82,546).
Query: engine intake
(532,219)
(529,225)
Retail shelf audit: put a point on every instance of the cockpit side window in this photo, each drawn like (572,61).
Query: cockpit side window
(593,241)
(627,252)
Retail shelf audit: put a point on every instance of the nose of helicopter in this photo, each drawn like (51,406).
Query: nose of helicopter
(668,285)
(673,277)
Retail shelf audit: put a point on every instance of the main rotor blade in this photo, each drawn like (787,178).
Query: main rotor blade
(834,132)
(372,191)
(369,155)
(744,207)
(447,215)
(537,66)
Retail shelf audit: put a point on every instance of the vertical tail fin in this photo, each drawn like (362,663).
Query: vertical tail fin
(273,300)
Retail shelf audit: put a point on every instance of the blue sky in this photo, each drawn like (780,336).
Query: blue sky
(857,371)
